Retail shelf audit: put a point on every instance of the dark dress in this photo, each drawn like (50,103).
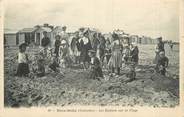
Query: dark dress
(161,46)
(57,45)
(134,55)
(23,69)
(84,48)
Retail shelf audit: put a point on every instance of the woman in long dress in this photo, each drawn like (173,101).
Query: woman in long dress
(116,58)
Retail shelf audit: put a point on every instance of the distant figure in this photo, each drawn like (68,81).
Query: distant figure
(162,64)
(95,66)
(23,66)
(171,45)
(159,48)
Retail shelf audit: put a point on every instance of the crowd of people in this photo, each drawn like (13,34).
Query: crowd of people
(93,55)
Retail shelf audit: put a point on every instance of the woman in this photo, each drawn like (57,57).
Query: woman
(116,58)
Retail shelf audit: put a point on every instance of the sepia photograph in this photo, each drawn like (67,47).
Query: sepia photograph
(120,53)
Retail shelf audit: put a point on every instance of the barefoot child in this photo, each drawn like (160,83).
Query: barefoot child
(96,70)
(23,67)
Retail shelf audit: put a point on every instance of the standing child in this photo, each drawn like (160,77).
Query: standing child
(23,67)
(96,70)
(162,64)
(57,45)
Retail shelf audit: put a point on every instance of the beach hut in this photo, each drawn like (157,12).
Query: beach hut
(10,38)
(26,35)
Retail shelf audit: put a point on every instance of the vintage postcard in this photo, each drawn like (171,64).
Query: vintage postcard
(92,57)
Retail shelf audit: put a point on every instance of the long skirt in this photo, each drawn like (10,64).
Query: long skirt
(23,69)
(116,59)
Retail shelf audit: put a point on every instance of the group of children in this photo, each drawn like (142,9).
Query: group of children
(114,55)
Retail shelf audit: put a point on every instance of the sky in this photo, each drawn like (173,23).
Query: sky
(151,18)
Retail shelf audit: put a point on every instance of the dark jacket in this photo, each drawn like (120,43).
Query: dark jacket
(45,42)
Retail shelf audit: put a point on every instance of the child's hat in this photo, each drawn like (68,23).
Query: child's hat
(22,45)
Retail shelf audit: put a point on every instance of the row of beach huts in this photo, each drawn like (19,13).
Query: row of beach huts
(35,34)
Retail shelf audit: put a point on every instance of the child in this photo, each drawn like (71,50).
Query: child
(134,53)
(55,64)
(162,64)
(96,70)
(57,45)
(23,67)
(43,60)
(131,74)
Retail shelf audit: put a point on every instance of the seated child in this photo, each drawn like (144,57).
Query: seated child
(41,68)
(162,64)
(96,70)
(131,74)
(54,64)
(23,67)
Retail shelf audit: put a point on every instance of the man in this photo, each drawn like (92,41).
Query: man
(45,41)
